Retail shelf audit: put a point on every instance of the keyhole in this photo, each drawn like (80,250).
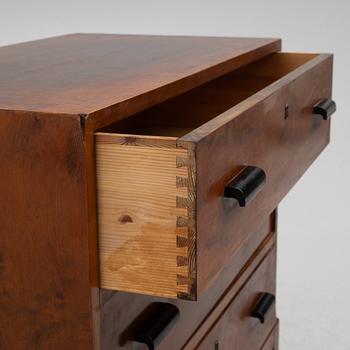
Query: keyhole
(216,347)
(286,111)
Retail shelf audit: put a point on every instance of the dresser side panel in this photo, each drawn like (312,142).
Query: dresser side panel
(45,295)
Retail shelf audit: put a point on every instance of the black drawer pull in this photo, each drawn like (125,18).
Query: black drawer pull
(263,306)
(245,186)
(157,324)
(325,108)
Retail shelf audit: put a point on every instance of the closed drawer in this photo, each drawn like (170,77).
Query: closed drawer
(165,227)
(235,328)
(123,313)
(272,341)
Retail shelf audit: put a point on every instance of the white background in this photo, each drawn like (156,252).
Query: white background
(314,219)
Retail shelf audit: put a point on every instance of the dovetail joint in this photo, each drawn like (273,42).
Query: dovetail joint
(181,181)
(183,280)
(182,202)
(181,221)
(181,241)
(186,222)
(182,261)
(181,161)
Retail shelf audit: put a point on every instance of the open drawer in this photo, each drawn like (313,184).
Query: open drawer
(167,219)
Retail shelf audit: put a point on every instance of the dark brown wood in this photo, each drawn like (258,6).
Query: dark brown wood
(256,132)
(45,296)
(119,310)
(235,329)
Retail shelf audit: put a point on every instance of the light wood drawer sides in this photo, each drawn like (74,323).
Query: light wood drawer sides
(164,225)
(146,215)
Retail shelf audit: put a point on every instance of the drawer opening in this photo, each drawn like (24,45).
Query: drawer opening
(180,115)
(161,173)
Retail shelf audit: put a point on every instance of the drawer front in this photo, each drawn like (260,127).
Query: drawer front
(274,130)
(163,206)
(272,341)
(122,311)
(235,328)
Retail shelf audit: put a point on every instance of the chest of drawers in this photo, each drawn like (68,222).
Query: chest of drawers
(140,181)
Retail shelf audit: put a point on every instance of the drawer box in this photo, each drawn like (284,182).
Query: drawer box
(164,225)
(235,328)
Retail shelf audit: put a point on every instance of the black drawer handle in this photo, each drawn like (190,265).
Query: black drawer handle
(325,108)
(157,324)
(245,186)
(263,306)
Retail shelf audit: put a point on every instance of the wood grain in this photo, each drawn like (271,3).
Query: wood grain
(45,296)
(116,75)
(255,132)
(48,246)
(56,93)
(119,310)
(145,204)
(234,328)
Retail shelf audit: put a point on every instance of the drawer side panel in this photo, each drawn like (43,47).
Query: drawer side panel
(144,196)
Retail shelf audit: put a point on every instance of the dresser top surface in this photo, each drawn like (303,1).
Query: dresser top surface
(86,73)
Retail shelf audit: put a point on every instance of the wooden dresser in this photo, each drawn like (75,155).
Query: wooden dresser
(140,177)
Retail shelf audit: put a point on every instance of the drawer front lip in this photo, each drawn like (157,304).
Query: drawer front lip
(235,327)
(256,133)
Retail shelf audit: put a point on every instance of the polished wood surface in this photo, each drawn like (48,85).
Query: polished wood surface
(235,329)
(237,120)
(143,184)
(45,287)
(119,310)
(218,100)
(86,73)
(256,132)
(54,94)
